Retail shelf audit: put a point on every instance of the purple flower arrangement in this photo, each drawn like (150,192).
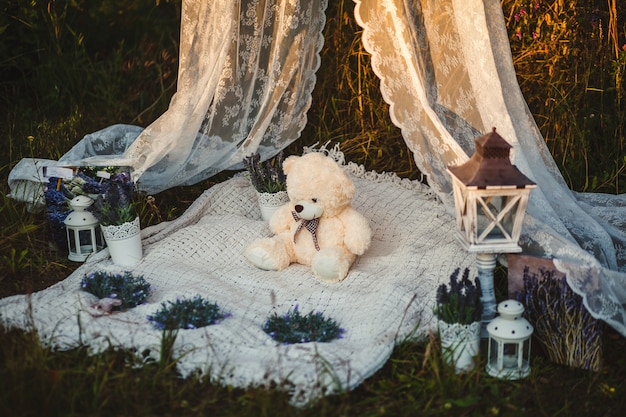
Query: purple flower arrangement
(114,204)
(293,327)
(187,314)
(268,176)
(459,301)
(564,328)
(129,289)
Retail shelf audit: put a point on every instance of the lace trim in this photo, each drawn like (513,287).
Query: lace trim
(123,231)
(456,331)
(273,199)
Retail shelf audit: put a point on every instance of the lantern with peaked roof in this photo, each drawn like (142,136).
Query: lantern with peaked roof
(490,196)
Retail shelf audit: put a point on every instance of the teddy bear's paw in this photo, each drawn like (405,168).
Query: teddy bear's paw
(329,268)
(261,259)
(330,273)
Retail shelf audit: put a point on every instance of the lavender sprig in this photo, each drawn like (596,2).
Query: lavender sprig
(267,177)
(459,301)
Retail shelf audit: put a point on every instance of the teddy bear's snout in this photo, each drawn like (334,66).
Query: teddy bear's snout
(307,211)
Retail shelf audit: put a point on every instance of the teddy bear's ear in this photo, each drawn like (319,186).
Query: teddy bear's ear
(347,186)
(288,163)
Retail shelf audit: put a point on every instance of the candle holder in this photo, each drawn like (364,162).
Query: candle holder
(508,355)
(84,236)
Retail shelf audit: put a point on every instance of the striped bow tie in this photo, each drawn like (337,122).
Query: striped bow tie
(310,225)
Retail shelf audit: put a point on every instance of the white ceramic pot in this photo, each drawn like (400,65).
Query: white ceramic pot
(460,344)
(124,242)
(270,202)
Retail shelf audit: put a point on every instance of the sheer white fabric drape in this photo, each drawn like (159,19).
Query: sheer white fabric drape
(447,72)
(246,72)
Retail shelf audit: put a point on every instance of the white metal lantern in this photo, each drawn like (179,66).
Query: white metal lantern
(83,232)
(490,196)
(508,354)
(490,199)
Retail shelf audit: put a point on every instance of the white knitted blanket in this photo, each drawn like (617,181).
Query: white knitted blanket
(387,297)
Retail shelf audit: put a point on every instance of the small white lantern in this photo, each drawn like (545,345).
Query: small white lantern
(83,232)
(508,355)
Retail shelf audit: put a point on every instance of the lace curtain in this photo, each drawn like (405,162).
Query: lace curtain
(246,72)
(447,72)
(247,69)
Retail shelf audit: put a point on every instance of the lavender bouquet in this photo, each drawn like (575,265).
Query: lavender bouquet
(130,290)
(563,327)
(187,313)
(459,301)
(115,205)
(268,176)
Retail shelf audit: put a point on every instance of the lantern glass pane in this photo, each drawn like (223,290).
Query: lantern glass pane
(495,217)
(510,355)
(509,204)
(99,239)
(526,351)
(71,240)
(84,236)
(492,359)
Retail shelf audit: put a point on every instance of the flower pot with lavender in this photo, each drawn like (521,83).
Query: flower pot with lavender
(458,311)
(116,212)
(269,182)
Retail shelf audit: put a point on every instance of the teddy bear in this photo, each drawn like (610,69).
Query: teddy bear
(318,227)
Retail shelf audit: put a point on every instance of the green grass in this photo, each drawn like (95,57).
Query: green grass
(37,381)
(68,68)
